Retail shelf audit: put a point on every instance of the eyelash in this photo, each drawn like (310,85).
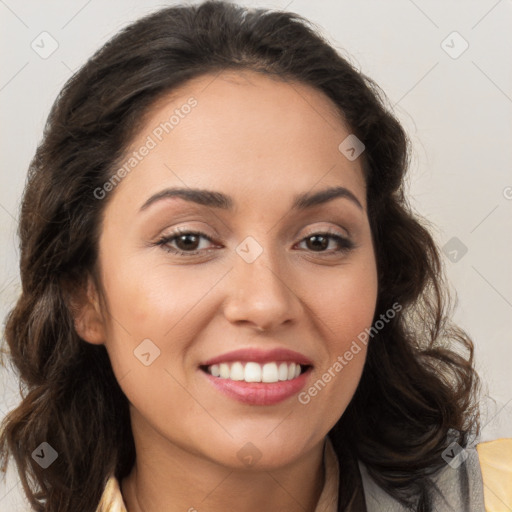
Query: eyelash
(345,244)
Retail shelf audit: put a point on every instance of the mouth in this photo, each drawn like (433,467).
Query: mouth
(240,371)
(257,377)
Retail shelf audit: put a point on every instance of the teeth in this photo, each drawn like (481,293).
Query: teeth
(283,371)
(224,371)
(269,373)
(252,372)
(237,372)
(215,370)
(291,371)
(255,372)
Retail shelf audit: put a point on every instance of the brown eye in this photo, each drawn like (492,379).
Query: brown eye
(186,242)
(319,242)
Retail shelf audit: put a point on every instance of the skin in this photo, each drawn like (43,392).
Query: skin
(261,141)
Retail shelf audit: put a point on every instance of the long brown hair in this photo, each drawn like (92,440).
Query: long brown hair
(418,389)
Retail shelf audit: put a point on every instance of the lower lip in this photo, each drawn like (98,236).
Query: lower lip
(259,393)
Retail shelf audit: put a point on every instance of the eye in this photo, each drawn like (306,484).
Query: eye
(320,241)
(187,243)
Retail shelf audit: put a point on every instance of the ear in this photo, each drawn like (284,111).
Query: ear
(87,315)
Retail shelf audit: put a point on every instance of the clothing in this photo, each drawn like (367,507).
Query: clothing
(496,464)
(482,482)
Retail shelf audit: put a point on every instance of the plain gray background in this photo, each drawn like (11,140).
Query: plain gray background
(455,103)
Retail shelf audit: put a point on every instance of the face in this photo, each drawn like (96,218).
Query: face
(206,298)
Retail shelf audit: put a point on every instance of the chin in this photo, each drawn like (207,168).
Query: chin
(259,451)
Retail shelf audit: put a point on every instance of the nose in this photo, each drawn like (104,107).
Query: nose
(261,294)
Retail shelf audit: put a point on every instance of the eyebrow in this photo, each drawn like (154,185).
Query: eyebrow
(215,199)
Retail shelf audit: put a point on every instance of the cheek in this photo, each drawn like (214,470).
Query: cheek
(346,310)
(150,301)
(160,303)
(346,303)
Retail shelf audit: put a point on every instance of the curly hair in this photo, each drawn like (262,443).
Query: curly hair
(418,390)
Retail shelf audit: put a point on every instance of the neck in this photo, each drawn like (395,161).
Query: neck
(173,480)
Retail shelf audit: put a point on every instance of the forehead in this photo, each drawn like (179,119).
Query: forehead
(242,131)
(217,92)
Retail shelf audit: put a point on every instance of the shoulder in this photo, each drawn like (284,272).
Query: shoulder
(475,479)
(496,466)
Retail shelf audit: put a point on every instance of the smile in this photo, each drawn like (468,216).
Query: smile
(255,376)
(255,372)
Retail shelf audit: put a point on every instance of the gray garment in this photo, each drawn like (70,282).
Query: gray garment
(460,489)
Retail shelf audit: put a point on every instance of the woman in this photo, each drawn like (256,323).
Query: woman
(298,354)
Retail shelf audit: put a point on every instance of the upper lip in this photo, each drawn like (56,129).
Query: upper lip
(258,355)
